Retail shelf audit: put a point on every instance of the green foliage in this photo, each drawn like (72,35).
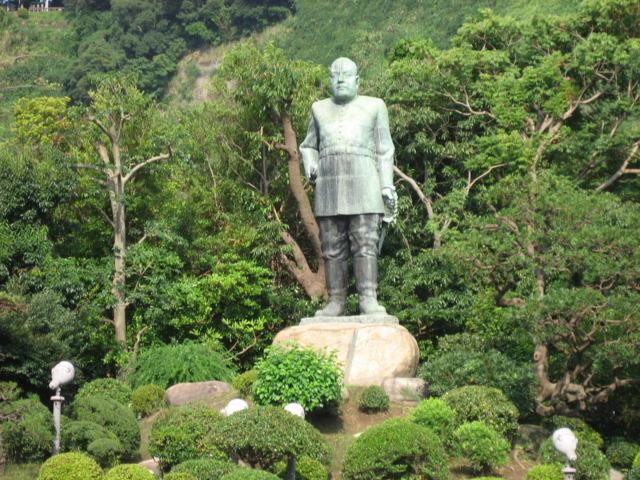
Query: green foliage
(89,437)
(621,454)
(293,373)
(147,399)
(579,427)
(105,451)
(434,414)
(29,435)
(179,476)
(107,387)
(23,13)
(266,435)
(373,399)
(633,474)
(183,433)
(483,447)
(246,474)
(168,365)
(70,466)
(205,468)
(545,472)
(111,415)
(129,472)
(41,121)
(636,461)
(591,464)
(396,448)
(485,404)
(306,469)
(244,383)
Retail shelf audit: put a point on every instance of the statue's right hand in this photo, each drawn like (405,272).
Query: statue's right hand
(313,174)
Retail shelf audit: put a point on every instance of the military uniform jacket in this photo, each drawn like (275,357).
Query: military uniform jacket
(351,148)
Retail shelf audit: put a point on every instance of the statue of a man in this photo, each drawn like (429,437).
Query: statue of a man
(348,156)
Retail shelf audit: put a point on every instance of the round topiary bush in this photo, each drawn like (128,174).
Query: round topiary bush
(129,472)
(79,436)
(29,439)
(306,469)
(146,400)
(205,468)
(579,427)
(111,415)
(70,466)
(23,13)
(373,399)
(179,476)
(105,451)
(633,474)
(182,433)
(393,449)
(621,454)
(107,387)
(244,383)
(266,435)
(435,414)
(292,373)
(591,464)
(250,474)
(545,472)
(483,447)
(485,404)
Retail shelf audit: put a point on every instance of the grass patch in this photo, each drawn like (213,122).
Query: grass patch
(15,471)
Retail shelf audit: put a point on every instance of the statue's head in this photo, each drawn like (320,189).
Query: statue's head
(344,80)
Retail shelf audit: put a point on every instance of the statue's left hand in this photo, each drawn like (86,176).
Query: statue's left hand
(390,198)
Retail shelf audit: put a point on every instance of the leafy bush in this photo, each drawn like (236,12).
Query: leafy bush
(579,427)
(168,365)
(621,454)
(107,387)
(633,474)
(636,461)
(306,469)
(244,383)
(463,367)
(206,468)
(267,435)
(182,433)
(105,451)
(485,404)
(111,415)
(129,472)
(292,373)
(591,464)
(147,399)
(179,476)
(23,13)
(29,439)
(249,474)
(79,436)
(545,472)
(393,449)
(435,414)
(373,399)
(70,466)
(482,446)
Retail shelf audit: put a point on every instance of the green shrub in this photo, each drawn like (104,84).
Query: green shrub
(267,435)
(105,451)
(79,436)
(31,438)
(373,399)
(244,383)
(168,365)
(591,464)
(249,474)
(111,415)
(23,13)
(179,476)
(621,454)
(146,400)
(393,449)
(306,469)
(129,472)
(182,433)
(481,445)
(633,474)
(206,468)
(70,466)
(107,387)
(636,461)
(485,404)
(545,472)
(579,427)
(292,373)
(434,413)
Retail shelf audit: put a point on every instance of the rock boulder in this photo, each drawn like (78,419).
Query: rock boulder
(190,392)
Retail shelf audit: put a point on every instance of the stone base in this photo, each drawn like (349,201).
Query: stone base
(363,319)
(366,350)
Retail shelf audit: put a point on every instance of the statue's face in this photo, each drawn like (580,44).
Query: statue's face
(344,80)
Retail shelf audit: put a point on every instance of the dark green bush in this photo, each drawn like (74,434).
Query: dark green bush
(591,464)
(483,447)
(249,474)
(107,387)
(394,449)
(105,451)
(435,414)
(621,454)
(146,400)
(292,373)
(70,466)
(373,399)
(633,474)
(545,472)
(111,415)
(179,476)
(267,435)
(77,436)
(31,438)
(129,472)
(168,365)
(182,433)
(244,383)
(485,404)
(23,13)
(306,469)
(206,468)
(579,427)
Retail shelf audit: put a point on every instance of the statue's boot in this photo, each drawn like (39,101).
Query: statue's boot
(336,274)
(366,273)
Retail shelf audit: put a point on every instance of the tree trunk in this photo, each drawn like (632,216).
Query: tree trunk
(116,196)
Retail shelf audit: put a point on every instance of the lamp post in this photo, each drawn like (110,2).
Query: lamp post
(61,374)
(297,410)
(565,442)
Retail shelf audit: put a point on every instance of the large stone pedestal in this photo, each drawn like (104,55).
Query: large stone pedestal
(368,352)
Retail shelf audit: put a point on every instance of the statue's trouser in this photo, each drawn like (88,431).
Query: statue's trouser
(359,233)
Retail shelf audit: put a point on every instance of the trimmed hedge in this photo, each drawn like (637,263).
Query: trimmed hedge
(621,454)
(89,437)
(435,414)
(244,383)
(179,476)
(30,439)
(147,399)
(591,464)
(306,469)
(249,474)
(205,468)
(373,399)
(545,472)
(107,387)
(481,445)
(130,471)
(579,427)
(105,451)
(70,466)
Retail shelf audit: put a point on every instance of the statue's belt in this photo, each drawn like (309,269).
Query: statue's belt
(346,150)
